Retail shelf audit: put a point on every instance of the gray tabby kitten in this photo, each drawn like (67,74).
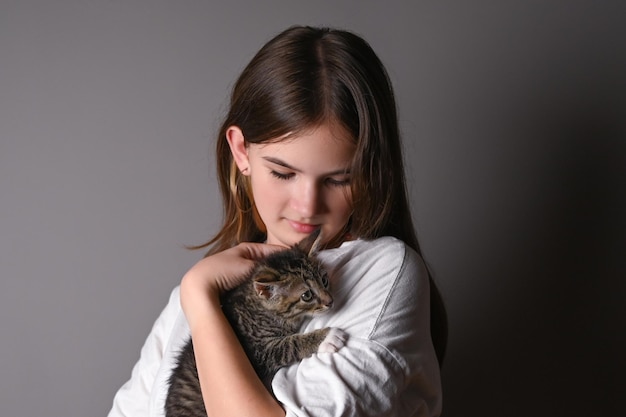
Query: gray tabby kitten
(266,312)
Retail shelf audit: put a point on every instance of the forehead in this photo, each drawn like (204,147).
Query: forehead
(324,148)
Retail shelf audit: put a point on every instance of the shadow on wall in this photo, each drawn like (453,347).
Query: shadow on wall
(554,344)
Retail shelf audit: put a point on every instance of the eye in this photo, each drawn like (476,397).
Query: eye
(325,281)
(307,296)
(281,176)
(335,182)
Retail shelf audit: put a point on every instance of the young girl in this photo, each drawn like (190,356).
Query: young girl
(311,141)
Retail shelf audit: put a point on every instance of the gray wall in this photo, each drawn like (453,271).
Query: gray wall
(514,119)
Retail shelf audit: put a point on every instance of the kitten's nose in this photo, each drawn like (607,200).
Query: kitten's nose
(327,301)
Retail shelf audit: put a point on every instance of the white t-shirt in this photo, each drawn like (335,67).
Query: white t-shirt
(388,366)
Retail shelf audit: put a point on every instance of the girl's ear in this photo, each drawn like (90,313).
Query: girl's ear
(238,148)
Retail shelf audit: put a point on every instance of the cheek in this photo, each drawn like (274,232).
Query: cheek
(267,196)
(342,203)
(260,193)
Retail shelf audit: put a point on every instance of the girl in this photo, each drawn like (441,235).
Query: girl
(311,141)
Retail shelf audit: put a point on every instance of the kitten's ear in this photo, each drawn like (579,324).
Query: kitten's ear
(264,282)
(264,289)
(311,244)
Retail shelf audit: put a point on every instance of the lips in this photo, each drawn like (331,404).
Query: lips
(303,227)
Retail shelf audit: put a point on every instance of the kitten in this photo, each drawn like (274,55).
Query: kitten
(266,312)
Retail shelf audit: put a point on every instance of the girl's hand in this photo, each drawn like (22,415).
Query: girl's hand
(218,273)
(216,347)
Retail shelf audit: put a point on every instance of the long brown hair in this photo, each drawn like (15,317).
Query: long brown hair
(300,79)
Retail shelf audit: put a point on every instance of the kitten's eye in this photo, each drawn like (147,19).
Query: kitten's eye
(307,296)
(325,281)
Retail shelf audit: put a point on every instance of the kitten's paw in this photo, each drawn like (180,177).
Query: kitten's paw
(334,340)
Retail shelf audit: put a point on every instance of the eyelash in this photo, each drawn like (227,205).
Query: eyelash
(329,181)
(281,176)
(337,183)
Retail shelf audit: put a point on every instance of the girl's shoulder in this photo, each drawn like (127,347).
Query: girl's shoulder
(385,256)
(373,281)
(380,242)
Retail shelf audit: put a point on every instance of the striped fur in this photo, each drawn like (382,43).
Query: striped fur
(266,312)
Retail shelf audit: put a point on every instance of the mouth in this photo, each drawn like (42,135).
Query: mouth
(305,228)
(321,309)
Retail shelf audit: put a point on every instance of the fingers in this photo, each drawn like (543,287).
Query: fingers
(227,269)
(203,284)
(255,251)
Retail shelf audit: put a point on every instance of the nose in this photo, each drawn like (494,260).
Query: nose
(306,199)
(327,300)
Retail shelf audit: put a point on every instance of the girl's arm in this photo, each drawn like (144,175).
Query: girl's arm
(133,398)
(230,386)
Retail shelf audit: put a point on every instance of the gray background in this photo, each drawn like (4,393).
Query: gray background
(514,119)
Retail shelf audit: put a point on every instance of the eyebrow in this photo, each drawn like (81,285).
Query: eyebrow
(282,163)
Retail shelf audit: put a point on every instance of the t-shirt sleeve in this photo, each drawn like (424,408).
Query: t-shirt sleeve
(133,398)
(388,366)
